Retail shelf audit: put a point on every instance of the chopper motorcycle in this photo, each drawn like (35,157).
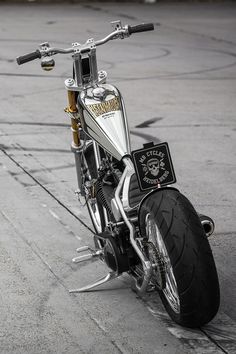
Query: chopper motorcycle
(143,225)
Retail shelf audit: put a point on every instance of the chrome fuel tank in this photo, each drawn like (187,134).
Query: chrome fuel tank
(103,118)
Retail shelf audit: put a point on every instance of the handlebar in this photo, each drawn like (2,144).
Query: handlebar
(29,57)
(121,33)
(143,27)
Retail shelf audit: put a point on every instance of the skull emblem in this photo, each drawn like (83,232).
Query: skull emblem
(153,166)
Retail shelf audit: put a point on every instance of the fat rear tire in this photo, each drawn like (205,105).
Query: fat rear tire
(189,254)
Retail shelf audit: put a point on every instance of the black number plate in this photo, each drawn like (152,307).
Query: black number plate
(153,166)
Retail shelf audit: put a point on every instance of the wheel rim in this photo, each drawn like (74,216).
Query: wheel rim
(170,291)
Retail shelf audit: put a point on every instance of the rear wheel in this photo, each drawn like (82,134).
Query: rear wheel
(190,291)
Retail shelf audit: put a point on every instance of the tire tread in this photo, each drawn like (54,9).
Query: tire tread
(190,255)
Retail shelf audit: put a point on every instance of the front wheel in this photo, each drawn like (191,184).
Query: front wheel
(94,206)
(190,290)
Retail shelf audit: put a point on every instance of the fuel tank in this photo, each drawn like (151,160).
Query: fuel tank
(103,118)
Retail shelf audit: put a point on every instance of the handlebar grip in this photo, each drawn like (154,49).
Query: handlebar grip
(143,27)
(28,57)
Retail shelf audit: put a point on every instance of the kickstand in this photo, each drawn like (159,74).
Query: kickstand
(108,277)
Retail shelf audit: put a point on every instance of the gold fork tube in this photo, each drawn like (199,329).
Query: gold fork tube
(76,145)
(72,103)
(72,108)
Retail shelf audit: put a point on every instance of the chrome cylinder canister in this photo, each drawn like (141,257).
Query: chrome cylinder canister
(207,224)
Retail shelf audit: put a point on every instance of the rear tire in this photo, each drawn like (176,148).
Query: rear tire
(191,295)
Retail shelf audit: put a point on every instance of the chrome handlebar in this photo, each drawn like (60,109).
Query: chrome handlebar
(122,33)
(119,33)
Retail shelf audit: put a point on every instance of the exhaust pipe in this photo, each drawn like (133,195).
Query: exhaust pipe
(207,224)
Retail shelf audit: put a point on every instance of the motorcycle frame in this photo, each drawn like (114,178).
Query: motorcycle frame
(75,111)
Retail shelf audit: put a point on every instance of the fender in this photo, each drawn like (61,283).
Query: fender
(158,190)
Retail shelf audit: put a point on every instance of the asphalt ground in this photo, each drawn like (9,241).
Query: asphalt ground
(179,86)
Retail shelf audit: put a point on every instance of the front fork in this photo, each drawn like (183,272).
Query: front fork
(77,143)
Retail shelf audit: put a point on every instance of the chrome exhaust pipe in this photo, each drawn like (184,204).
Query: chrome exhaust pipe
(207,224)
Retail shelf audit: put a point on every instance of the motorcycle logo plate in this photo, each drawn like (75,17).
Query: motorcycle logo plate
(153,166)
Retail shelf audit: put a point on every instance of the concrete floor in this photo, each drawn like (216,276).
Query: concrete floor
(181,77)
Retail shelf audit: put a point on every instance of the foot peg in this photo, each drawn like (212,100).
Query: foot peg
(85,257)
(103,280)
(91,255)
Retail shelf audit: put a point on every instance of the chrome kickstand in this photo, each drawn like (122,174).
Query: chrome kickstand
(108,277)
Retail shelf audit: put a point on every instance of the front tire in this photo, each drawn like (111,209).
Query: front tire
(95,208)
(191,293)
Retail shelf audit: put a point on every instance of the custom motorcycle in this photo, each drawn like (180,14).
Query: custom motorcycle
(143,225)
